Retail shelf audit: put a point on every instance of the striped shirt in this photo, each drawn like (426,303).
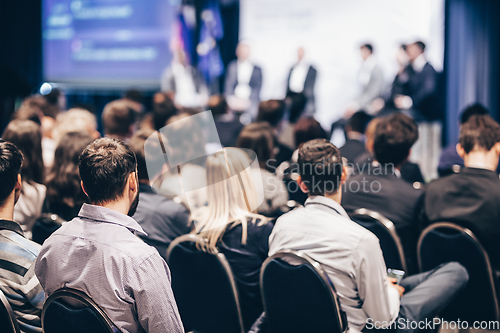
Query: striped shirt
(98,253)
(17,276)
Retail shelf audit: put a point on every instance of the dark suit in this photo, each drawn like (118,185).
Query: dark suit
(382,191)
(255,84)
(352,149)
(470,198)
(308,90)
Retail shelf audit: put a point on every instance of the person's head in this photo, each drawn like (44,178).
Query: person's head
(259,138)
(185,139)
(137,143)
(163,109)
(307,129)
(108,170)
(300,53)
(75,120)
(394,137)
(217,104)
(414,50)
(297,104)
(480,139)
(118,117)
(56,102)
(358,122)
(231,193)
(242,51)
(63,180)
(133,95)
(271,111)
(370,134)
(474,109)
(366,51)
(320,168)
(27,137)
(11,160)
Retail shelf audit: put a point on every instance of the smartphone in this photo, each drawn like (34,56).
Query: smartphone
(396,273)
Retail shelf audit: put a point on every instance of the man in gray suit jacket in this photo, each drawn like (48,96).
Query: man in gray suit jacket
(301,80)
(243,82)
(370,78)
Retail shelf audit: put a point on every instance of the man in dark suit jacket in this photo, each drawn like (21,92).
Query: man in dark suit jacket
(355,134)
(383,190)
(243,82)
(301,80)
(471,198)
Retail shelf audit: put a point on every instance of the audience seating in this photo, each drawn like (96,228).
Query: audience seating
(298,295)
(8,322)
(45,226)
(384,229)
(444,242)
(70,310)
(204,287)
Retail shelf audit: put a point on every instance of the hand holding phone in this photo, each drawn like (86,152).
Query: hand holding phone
(396,273)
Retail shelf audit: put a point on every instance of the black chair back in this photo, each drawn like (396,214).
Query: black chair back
(8,321)
(45,226)
(298,295)
(70,310)
(384,229)
(204,288)
(444,242)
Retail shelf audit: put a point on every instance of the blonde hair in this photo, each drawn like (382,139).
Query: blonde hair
(74,120)
(232,196)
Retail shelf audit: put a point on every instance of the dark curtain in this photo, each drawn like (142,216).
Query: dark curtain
(472,58)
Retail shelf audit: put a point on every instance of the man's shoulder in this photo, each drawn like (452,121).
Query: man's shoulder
(12,243)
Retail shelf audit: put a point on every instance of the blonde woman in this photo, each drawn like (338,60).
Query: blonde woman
(229,224)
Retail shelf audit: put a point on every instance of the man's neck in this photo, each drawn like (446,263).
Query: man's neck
(336,196)
(481,160)
(121,206)
(7,210)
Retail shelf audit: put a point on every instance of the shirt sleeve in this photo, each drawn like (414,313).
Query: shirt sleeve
(155,303)
(380,301)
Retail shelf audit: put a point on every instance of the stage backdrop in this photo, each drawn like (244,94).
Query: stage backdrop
(331,31)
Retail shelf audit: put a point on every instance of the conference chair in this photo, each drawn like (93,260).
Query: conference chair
(204,287)
(8,321)
(444,242)
(384,229)
(71,310)
(298,295)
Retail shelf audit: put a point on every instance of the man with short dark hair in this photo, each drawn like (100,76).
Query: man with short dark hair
(471,198)
(351,255)
(381,188)
(355,134)
(17,254)
(162,219)
(99,254)
(118,118)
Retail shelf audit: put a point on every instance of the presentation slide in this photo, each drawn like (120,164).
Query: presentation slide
(106,43)
(331,32)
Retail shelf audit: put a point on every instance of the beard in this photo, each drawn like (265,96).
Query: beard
(133,206)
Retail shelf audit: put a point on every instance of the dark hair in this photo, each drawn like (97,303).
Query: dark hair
(63,180)
(271,111)
(320,166)
(421,45)
(11,160)
(297,106)
(137,144)
(259,138)
(369,47)
(480,130)
(27,137)
(163,109)
(358,121)
(105,166)
(117,117)
(307,129)
(133,95)
(394,137)
(475,109)
(217,104)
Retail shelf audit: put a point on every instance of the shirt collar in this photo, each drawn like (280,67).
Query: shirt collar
(327,202)
(106,215)
(419,63)
(12,226)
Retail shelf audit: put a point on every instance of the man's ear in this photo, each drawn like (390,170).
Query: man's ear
(18,188)
(460,150)
(132,181)
(83,189)
(345,173)
(302,185)
(496,147)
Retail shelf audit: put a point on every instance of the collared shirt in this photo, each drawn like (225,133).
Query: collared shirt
(349,253)
(419,63)
(366,70)
(244,74)
(298,76)
(17,276)
(98,253)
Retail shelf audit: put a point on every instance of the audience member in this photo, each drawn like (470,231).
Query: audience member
(162,219)
(301,80)
(127,278)
(228,224)
(26,135)
(307,129)
(471,197)
(355,134)
(163,109)
(17,254)
(258,137)
(228,125)
(118,119)
(75,120)
(351,255)
(383,190)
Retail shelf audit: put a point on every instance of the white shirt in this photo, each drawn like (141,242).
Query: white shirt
(244,70)
(419,63)
(185,89)
(349,253)
(366,70)
(298,76)
(29,206)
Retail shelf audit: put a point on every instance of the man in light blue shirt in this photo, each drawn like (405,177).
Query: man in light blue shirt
(99,253)
(351,255)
